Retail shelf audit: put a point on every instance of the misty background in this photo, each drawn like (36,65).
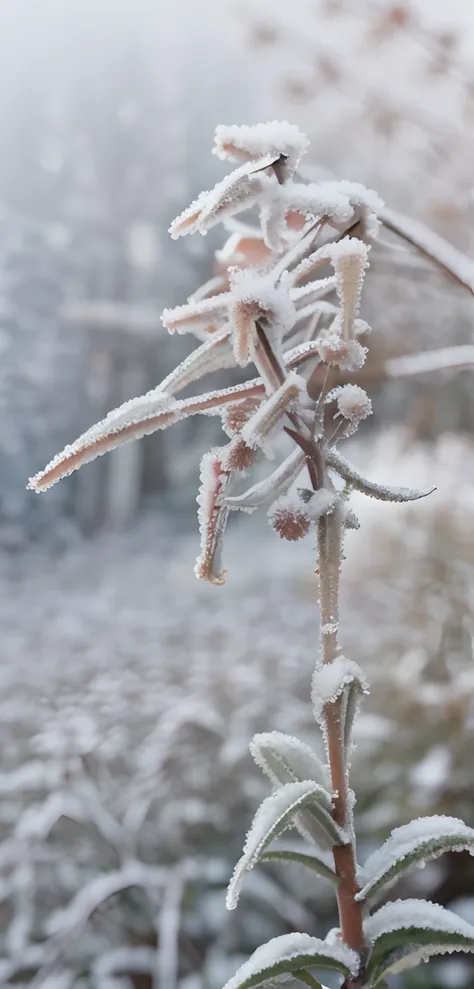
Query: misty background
(128,692)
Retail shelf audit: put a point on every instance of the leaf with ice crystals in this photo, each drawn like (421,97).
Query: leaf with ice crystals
(290,953)
(215,354)
(318,865)
(369,488)
(320,502)
(260,426)
(421,840)
(238,191)
(134,419)
(285,759)
(407,932)
(447,257)
(249,143)
(212,515)
(349,258)
(201,318)
(330,679)
(274,816)
(271,487)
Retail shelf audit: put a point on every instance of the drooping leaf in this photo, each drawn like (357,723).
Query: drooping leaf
(285,759)
(313,862)
(407,932)
(421,840)
(383,492)
(292,953)
(452,261)
(274,816)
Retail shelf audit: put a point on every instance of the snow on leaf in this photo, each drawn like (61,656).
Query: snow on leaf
(433,246)
(244,143)
(285,759)
(349,258)
(419,841)
(239,190)
(215,354)
(289,953)
(271,487)
(405,932)
(330,679)
(258,428)
(382,492)
(132,420)
(274,816)
(212,516)
(320,502)
(316,863)
(201,318)
(273,300)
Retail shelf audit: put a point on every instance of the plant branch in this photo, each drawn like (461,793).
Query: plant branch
(329,532)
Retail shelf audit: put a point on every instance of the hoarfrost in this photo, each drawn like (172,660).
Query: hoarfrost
(292,947)
(329,680)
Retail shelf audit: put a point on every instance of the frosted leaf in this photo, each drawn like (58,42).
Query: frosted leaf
(213,355)
(382,492)
(321,866)
(284,759)
(407,932)
(274,816)
(431,360)
(421,840)
(243,317)
(273,300)
(214,286)
(258,429)
(289,953)
(203,317)
(431,245)
(238,191)
(271,487)
(243,143)
(330,679)
(235,416)
(273,223)
(212,516)
(319,200)
(132,420)
(302,353)
(289,518)
(349,258)
(321,502)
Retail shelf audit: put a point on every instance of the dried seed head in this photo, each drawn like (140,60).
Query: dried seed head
(289,520)
(239,456)
(353,402)
(235,416)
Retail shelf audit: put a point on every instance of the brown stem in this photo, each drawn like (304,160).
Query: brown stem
(329,531)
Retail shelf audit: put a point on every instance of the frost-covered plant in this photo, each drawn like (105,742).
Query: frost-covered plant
(287,301)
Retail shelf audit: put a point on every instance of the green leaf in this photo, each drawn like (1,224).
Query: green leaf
(285,759)
(419,841)
(312,862)
(274,816)
(407,932)
(292,953)
(307,978)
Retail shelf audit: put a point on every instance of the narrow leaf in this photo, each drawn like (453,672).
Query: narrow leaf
(212,517)
(271,487)
(285,759)
(289,954)
(274,816)
(406,932)
(381,492)
(213,355)
(431,360)
(132,420)
(202,317)
(419,841)
(312,862)
(447,257)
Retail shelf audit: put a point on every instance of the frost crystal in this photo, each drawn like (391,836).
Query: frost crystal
(252,142)
(301,948)
(352,402)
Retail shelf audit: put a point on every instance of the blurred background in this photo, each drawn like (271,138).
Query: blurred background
(129,692)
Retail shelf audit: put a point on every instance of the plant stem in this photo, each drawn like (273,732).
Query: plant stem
(329,530)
